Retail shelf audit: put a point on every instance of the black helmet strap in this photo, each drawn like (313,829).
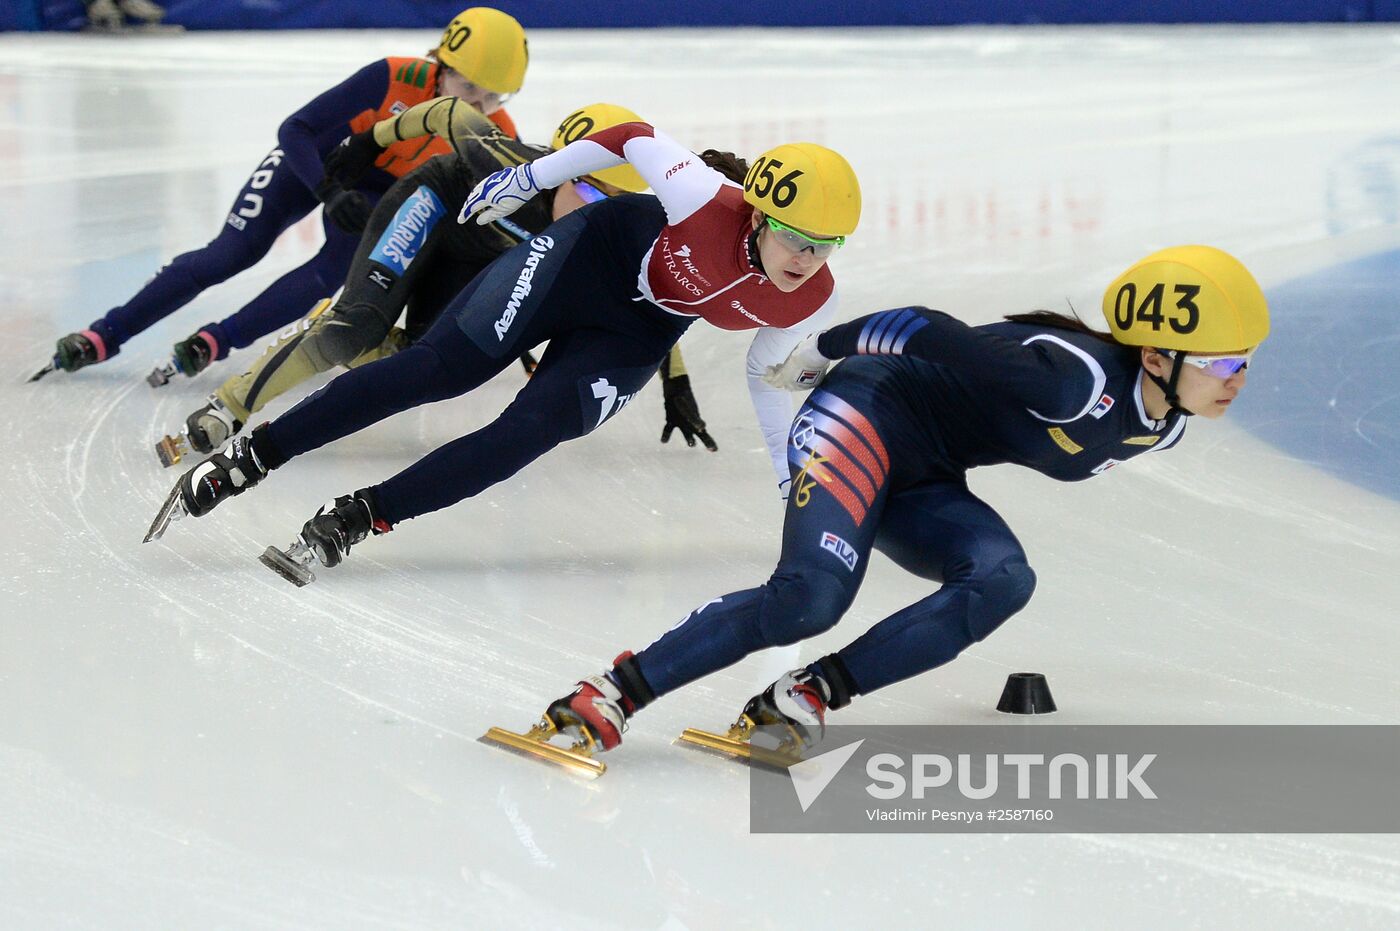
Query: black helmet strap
(1168,384)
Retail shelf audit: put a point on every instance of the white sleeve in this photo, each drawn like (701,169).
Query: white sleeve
(679,178)
(773,406)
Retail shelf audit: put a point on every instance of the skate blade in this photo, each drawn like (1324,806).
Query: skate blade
(285,565)
(161,374)
(172,509)
(43,371)
(736,744)
(171,449)
(535,744)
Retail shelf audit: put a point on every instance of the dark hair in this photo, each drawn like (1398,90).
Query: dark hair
(726,163)
(1057,321)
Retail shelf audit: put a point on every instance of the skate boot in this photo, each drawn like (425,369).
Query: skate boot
(206,430)
(76,351)
(210,483)
(327,537)
(594,717)
(796,704)
(190,357)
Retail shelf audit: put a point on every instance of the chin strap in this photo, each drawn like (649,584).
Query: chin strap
(1168,386)
(754,259)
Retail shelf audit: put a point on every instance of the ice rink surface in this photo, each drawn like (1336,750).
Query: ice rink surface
(188,741)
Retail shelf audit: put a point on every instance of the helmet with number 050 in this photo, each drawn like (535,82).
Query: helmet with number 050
(1189,298)
(594,118)
(806,186)
(487,47)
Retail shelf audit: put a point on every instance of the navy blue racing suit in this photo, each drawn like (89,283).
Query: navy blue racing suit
(879,455)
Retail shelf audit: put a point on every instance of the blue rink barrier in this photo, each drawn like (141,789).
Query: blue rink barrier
(1327,387)
(544,14)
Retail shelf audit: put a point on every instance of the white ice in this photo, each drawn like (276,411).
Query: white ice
(187,741)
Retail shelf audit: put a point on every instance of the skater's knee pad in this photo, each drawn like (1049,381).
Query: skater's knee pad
(343,334)
(802,604)
(998,595)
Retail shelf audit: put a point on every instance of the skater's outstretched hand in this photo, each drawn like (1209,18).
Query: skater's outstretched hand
(804,368)
(500,194)
(683,413)
(356,154)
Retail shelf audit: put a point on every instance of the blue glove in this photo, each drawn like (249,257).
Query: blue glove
(500,194)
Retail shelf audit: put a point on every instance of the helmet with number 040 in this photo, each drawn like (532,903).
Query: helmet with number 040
(1195,299)
(594,118)
(806,186)
(487,47)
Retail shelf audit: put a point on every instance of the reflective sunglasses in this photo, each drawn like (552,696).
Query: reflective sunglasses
(797,241)
(1218,366)
(587,192)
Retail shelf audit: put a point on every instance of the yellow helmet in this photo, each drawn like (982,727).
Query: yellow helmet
(487,47)
(1190,298)
(806,186)
(594,118)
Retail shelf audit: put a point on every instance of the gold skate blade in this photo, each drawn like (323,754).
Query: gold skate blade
(170,450)
(733,744)
(536,744)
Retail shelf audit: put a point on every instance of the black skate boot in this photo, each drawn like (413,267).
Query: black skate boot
(220,477)
(216,479)
(76,351)
(594,717)
(194,354)
(327,537)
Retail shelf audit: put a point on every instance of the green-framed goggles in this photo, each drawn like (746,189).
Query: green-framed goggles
(797,241)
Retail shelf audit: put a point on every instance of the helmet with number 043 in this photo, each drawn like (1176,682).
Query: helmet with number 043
(1195,299)
(594,118)
(806,186)
(487,47)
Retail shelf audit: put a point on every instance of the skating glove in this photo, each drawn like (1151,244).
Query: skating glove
(500,194)
(348,210)
(682,413)
(347,162)
(804,368)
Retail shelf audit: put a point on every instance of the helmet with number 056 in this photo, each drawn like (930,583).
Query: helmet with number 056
(806,186)
(1195,299)
(487,47)
(594,118)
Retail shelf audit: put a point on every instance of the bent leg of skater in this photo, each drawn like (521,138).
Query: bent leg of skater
(584,378)
(945,533)
(272,200)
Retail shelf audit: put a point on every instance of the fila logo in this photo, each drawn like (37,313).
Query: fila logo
(397,107)
(1103,407)
(1104,466)
(841,549)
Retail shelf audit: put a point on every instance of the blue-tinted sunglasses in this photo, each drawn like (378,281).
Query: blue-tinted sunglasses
(1218,366)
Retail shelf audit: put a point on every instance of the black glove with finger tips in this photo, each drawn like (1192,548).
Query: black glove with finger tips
(683,413)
